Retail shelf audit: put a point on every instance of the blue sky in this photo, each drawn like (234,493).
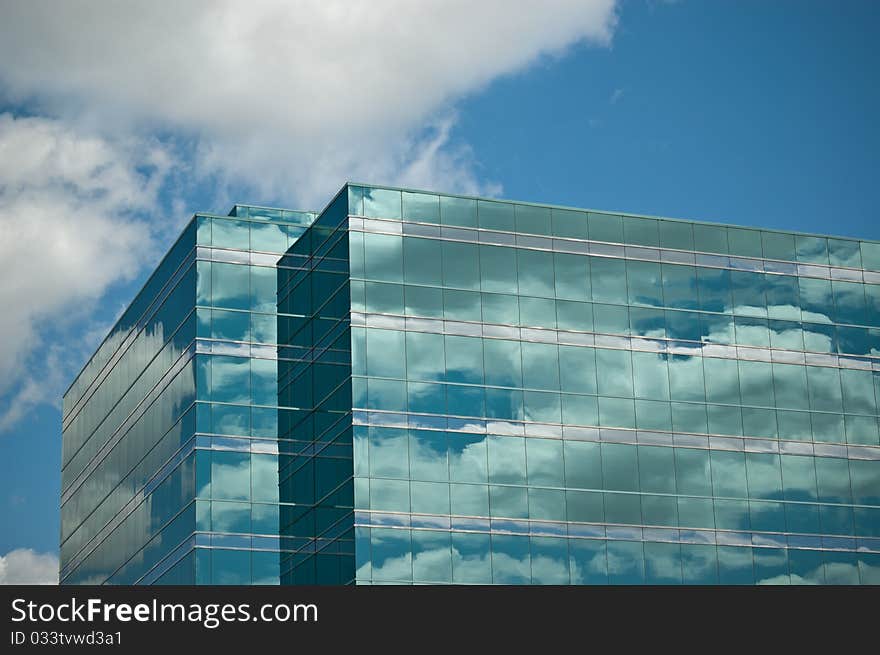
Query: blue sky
(750,112)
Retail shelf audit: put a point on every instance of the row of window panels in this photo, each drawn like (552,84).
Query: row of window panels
(246,380)
(297,216)
(130,442)
(319,569)
(138,463)
(627,532)
(150,412)
(669,351)
(138,518)
(237,325)
(142,539)
(548,407)
(158,554)
(93,531)
(199,566)
(262,429)
(580,247)
(286,545)
(237,379)
(301,434)
(497,269)
(601,226)
(246,235)
(434,456)
(115,447)
(391,555)
(235,517)
(148,356)
(222,566)
(542,504)
(515,311)
(237,286)
(132,315)
(429,357)
(156,406)
(234,475)
(133,351)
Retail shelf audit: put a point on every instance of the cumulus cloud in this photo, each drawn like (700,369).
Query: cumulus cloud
(72,210)
(292,98)
(26,566)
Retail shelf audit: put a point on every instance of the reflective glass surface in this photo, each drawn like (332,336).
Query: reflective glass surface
(427,388)
(170,433)
(665,403)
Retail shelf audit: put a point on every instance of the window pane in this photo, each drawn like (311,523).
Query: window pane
(583,465)
(680,286)
(656,469)
(644,283)
(532,220)
(422,207)
(540,363)
(743,242)
(383,257)
(544,462)
(587,561)
(662,563)
(391,552)
(614,369)
(569,223)
(778,245)
(620,467)
(626,562)
(510,560)
(495,215)
(534,272)
(676,235)
(471,558)
(431,556)
(699,564)
(692,472)
(710,238)
(507,460)
(461,267)
(381,203)
(652,379)
(608,280)
(508,502)
(458,211)
(640,231)
(572,276)
(422,261)
(605,227)
(549,560)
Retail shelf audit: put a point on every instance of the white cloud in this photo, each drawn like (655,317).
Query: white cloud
(26,566)
(292,98)
(71,220)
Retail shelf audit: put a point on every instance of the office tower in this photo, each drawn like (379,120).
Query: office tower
(479,391)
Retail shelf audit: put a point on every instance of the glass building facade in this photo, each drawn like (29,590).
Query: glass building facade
(170,449)
(464,390)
